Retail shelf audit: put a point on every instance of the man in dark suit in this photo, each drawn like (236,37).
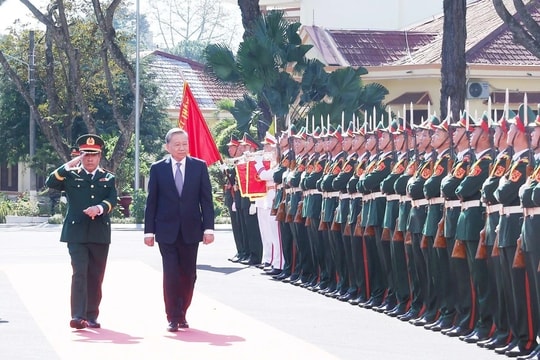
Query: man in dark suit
(179,214)
(91,195)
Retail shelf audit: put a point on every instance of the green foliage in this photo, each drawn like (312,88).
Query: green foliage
(138,206)
(22,206)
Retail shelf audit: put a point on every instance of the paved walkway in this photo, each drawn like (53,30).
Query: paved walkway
(237,313)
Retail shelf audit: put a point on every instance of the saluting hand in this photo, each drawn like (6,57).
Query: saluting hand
(74,162)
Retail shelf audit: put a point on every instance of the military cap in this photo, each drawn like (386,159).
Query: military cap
(503,121)
(269,139)
(234,141)
(465,121)
(90,144)
(329,132)
(301,134)
(337,133)
(430,124)
(248,140)
(531,117)
(316,132)
(349,131)
(445,124)
(483,123)
(393,127)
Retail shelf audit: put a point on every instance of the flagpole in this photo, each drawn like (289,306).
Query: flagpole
(137,94)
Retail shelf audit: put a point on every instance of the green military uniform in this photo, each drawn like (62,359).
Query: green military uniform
(284,230)
(358,275)
(329,206)
(87,238)
(514,278)
(457,280)
(374,206)
(468,230)
(493,207)
(342,212)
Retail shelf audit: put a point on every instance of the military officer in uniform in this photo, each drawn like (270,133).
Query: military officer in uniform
(468,228)
(91,194)
(510,224)
(502,335)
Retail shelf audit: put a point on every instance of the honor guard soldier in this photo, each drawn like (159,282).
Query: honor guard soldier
(374,204)
(91,194)
(439,164)
(404,143)
(459,293)
(510,224)
(336,157)
(358,274)
(500,166)
(312,208)
(531,226)
(232,197)
(468,227)
(248,211)
(342,212)
(272,254)
(416,219)
(280,175)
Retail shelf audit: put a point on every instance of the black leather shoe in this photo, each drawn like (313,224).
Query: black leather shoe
(444,331)
(245,261)
(411,314)
(291,278)
(515,352)
(183,324)
(424,320)
(281,276)
(442,325)
(503,349)
(372,302)
(495,344)
(173,326)
(272,272)
(330,288)
(475,337)
(458,331)
(346,297)
(385,306)
(93,324)
(398,310)
(234,259)
(357,300)
(77,323)
(534,355)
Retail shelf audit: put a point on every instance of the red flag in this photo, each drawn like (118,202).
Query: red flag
(201,143)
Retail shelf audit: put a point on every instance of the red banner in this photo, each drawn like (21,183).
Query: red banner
(201,143)
(249,181)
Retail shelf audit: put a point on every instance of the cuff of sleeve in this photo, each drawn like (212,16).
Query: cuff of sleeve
(148,235)
(209,232)
(100,209)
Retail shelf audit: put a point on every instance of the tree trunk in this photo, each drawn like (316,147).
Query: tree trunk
(250,12)
(453,67)
(526,32)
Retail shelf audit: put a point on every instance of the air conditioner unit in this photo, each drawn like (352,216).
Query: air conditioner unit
(477,90)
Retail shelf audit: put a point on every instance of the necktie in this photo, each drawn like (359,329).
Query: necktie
(178,180)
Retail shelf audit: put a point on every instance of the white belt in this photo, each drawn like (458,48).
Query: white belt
(471,203)
(311,192)
(392,197)
(452,203)
(404,198)
(356,195)
(373,195)
(332,194)
(279,186)
(493,208)
(436,200)
(531,211)
(296,189)
(344,196)
(419,202)
(508,210)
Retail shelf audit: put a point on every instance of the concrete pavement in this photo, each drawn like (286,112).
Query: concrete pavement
(237,313)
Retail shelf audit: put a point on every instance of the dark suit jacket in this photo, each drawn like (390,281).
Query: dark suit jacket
(83,192)
(167,213)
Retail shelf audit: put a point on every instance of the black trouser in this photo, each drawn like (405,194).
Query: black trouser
(359,264)
(179,275)
(377,283)
(417,297)
(315,242)
(460,281)
(386,264)
(237,233)
(328,259)
(88,262)
(348,250)
(399,270)
(446,288)
(485,301)
(500,315)
(305,257)
(432,296)
(339,260)
(287,246)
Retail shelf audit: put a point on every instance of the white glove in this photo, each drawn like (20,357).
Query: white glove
(233,207)
(63,199)
(223,167)
(259,162)
(252,209)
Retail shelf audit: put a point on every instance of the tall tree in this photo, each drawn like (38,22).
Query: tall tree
(453,64)
(250,13)
(83,61)
(187,25)
(524,27)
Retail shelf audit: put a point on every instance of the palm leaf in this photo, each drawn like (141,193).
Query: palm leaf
(221,63)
